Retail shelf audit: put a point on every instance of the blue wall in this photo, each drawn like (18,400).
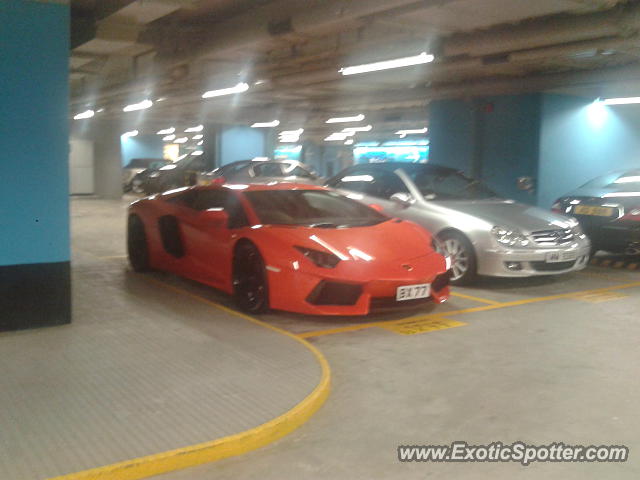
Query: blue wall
(493,138)
(241,143)
(451,134)
(580,141)
(141,146)
(34,56)
(510,131)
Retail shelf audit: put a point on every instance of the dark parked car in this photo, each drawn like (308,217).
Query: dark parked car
(261,170)
(608,208)
(179,174)
(137,166)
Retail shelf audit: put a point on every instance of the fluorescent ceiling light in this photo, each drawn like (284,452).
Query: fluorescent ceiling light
(166,131)
(161,99)
(138,106)
(238,88)
(85,114)
(424,57)
(621,194)
(404,133)
(621,101)
(357,129)
(100,110)
(181,140)
(179,158)
(338,136)
(200,142)
(349,142)
(355,118)
(292,132)
(631,179)
(197,153)
(197,137)
(168,138)
(273,123)
(194,129)
(131,133)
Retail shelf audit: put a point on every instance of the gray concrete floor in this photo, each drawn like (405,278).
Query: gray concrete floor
(141,370)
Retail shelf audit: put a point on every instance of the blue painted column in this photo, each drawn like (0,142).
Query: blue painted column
(496,139)
(35,280)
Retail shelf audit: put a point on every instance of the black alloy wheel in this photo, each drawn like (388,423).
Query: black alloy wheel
(250,288)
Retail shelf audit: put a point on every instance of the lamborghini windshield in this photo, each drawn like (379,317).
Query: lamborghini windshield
(313,208)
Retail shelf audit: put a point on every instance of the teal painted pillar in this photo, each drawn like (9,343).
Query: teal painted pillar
(496,139)
(35,285)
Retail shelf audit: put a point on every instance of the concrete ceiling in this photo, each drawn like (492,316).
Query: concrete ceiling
(290,53)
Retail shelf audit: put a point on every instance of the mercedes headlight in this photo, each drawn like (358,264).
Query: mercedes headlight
(509,237)
(577,230)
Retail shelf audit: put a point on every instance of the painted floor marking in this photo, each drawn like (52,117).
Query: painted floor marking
(600,297)
(413,327)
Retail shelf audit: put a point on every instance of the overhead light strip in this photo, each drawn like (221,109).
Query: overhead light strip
(621,101)
(273,123)
(357,129)
(84,115)
(354,118)
(420,59)
(143,105)
(238,88)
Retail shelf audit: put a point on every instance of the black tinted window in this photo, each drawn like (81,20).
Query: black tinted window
(311,207)
(377,183)
(268,170)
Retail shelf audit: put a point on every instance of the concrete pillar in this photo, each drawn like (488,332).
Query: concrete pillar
(35,284)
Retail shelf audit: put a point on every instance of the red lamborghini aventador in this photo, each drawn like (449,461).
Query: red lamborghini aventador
(299,248)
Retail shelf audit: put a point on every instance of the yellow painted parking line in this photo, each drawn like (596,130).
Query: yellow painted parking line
(632,266)
(484,308)
(475,299)
(600,297)
(225,447)
(413,327)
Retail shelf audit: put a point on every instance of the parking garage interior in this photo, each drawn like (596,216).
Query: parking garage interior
(113,372)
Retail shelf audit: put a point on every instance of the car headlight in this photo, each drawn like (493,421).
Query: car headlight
(577,230)
(320,259)
(509,237)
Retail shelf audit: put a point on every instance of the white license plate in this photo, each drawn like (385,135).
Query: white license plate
(557,257)
(411,292)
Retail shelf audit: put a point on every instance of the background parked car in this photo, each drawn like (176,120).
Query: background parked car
(259,170)
(481,232)
(179,174)
(608,208)
(138,165)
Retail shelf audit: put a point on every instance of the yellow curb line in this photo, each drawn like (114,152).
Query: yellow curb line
(224,447)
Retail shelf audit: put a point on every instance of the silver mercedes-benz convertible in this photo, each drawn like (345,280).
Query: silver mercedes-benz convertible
(481,233)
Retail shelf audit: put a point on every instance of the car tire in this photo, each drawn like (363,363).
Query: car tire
(137,246)
(464,264)
(250,284)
